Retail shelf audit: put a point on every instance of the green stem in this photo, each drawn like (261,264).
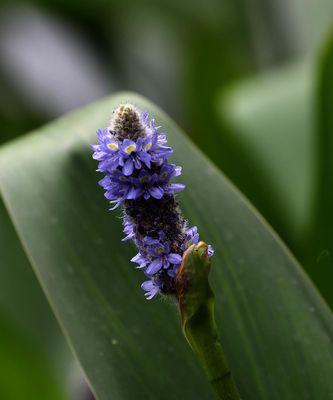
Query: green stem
(196,304)
(201,333)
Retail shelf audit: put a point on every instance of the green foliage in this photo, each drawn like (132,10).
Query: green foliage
(24,371)
(321,239)
(268,117)
(23,303)
(278,130)
(275,328)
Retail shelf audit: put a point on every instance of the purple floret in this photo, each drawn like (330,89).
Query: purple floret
(151,289)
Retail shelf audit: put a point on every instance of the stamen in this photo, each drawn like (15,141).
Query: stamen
(112,146)
(129,149)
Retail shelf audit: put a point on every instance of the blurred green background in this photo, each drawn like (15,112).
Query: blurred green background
(247,79)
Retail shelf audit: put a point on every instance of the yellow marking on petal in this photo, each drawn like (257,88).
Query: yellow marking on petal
(144,179)
(159,250)
(148,146)
(130,148)
(163,175)
(112,146)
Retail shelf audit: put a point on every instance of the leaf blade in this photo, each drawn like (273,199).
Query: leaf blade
(119,338)
(25,372)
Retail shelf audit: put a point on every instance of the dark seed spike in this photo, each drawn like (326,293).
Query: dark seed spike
(126,123)
(152,216)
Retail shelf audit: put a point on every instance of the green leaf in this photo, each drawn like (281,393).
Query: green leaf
(275,328)
(271,118)
(24,371)
(281,121)
(321,243)
(23,302)
(308,23)
(21,297)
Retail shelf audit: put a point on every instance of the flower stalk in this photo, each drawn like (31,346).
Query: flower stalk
(196,304)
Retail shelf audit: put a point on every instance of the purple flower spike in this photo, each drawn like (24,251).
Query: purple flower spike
(133,155)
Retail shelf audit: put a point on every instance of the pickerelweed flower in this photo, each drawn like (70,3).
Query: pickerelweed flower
(134,157)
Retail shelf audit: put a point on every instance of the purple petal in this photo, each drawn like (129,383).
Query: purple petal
(192,231)
(137,258)
(172,273)
(105,182)
(128,237)
(164,150)
(150,241)
(148,285)
(145,157)
(175,258)
(145,117)
(150,288)
(133,193)
(154,266)
(178,171)
(128,167)
(176,187)
(195,238)
(210,250)
(117,204)
(156,192)
(98,155)
(153,179)
(137,163)
(128,142)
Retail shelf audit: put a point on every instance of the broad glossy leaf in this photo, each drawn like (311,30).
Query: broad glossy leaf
(271,118)
(276,329)
(321,244)
(24,372)
(23,302)
(21,297)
